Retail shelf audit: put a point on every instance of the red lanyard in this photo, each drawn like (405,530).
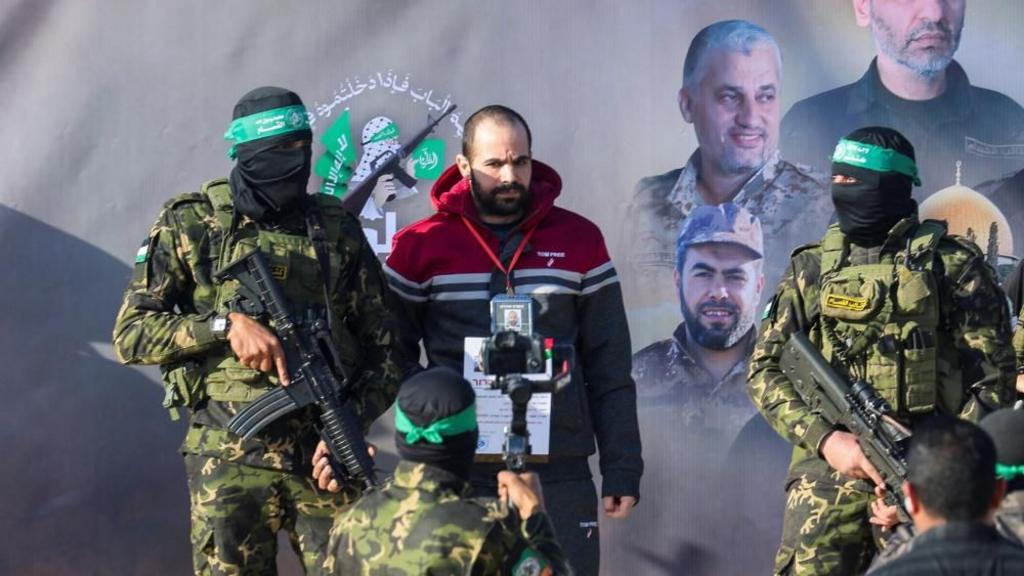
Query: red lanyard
(494,257)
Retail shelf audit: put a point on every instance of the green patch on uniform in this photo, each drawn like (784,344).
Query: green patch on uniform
(428,159)
(769,309)
(143,254)
(531,564)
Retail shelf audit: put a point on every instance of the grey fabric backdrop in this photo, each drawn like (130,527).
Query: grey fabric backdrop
(112,107)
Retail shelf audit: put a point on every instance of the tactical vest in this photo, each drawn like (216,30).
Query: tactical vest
(882,321)
(293,262)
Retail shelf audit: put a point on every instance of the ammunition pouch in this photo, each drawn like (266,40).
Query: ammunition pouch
(183,386)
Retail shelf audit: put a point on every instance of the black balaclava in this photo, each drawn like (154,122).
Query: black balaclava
(267,178)
(426,398)
(868,209)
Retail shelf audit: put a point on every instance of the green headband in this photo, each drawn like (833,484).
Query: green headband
(1008,473)
(455,424)
(875,158)
(265,124)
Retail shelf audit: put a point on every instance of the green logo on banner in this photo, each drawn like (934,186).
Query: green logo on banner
(389,131)
(335,166)
(428,159)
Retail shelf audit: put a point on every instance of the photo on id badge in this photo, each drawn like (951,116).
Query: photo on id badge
(513,313)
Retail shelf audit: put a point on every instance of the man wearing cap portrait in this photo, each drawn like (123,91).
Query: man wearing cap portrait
(692,403)
(215,359)
(701,371)
(889,300)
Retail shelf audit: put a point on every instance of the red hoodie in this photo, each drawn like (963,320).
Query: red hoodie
(444,280)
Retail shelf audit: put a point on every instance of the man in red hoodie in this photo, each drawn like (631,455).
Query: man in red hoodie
(497,231)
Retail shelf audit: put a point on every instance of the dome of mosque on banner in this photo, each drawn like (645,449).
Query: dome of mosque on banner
(968,213)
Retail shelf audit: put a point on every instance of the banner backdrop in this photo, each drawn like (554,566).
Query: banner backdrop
(112,107)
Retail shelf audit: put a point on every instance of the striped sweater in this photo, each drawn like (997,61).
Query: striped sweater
(444,281)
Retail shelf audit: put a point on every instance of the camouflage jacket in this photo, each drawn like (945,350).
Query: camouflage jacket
(423,522)
(668,377)
(973,317)
(792,202)
(165,319)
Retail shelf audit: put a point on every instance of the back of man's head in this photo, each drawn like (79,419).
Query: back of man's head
(951,468)
(435,421)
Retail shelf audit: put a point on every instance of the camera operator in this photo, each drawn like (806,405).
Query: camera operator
(423,518)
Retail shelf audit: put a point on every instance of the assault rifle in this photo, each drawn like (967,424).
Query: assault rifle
(857,408)
(390,163)
(307,348)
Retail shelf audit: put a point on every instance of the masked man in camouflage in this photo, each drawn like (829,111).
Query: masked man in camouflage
(899,303)
(214,359)
(423,521)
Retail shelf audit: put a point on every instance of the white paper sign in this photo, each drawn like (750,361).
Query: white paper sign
(494,409)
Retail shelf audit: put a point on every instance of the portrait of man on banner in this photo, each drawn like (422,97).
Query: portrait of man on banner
(915,86)
(731,83)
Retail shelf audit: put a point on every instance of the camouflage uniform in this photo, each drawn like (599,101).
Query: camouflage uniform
(669,378)
(243,491)
(965,368)
(423,522)
(791,201)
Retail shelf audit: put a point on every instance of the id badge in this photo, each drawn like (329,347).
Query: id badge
(512,312)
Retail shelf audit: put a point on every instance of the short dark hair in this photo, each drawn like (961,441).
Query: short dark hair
(952,467)
(497,113)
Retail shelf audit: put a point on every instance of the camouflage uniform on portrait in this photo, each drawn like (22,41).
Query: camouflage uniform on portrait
(790,200)
(934,336)
(244,491)
(424,519)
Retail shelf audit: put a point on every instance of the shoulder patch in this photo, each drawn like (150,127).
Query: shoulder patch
(769,308)
(143,253)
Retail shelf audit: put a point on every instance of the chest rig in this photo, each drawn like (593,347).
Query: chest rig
(306,281)
(882,320)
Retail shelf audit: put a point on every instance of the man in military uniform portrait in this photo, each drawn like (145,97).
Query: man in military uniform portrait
(916,87)
(692,403)
(700,373)
(731,85)
(424,521)
(216,359)
(891,301)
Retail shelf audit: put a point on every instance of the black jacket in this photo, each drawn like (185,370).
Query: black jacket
(982,128)
(956,549)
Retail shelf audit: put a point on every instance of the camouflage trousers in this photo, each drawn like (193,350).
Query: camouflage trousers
(237,511)
(825,528)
